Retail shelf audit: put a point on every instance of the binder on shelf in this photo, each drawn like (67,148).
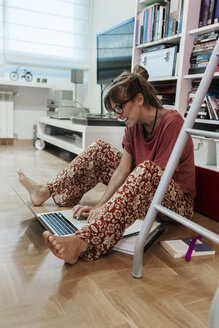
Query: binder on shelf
(160,63)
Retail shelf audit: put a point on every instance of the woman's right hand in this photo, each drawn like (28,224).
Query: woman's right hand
(81,211)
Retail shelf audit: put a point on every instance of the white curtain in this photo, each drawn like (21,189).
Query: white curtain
(46,32)
(1,32)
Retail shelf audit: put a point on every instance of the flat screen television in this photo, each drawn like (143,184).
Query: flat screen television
(114,51)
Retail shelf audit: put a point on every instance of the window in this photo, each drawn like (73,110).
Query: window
(45,32)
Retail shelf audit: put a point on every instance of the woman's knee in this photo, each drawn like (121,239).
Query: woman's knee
(149,169)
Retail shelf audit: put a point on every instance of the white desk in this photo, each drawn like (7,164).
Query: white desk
(84,135)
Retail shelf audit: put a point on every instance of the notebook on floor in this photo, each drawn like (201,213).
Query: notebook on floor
(63,223)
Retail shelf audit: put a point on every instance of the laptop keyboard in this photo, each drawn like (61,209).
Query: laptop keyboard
(59,224)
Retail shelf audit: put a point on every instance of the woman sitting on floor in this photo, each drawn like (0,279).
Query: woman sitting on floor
(132,177)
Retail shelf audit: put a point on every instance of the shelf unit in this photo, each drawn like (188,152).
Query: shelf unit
(27,84)
(185,40)
(76,137)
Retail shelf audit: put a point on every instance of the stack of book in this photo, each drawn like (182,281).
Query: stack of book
(166,92)
(203,112)
(210,105)
(178,248)
(209,12)
(201,52)
(128,242)
(158,20)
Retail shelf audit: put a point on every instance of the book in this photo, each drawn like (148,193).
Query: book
(213,102)
(204,13)
(127,244)
(211,9)
(209,108)
(216,14)
(178,248)
(166,18)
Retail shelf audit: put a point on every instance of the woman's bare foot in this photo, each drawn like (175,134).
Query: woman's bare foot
(38,193)
(67,248)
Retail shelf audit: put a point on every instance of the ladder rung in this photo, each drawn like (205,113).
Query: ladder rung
(188,223)
(203,133)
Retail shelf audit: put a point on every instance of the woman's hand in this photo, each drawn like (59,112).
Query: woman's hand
(89,212)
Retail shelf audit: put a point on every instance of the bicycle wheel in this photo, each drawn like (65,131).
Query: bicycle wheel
(14,76)
(28,77)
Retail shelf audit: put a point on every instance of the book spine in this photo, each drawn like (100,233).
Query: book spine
(197,70)
(160,24)
(213,102)
(216,14)
(179,27)
(152,24)
(211,12)
(141,15)
(204,13)
(199,58)
(137,29)
(166,18)
(210,110)
(149,24)
(145,25)
(156,23)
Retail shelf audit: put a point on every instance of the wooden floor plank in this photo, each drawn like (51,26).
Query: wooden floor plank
(40,291)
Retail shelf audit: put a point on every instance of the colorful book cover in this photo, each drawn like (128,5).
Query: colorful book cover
(178,248)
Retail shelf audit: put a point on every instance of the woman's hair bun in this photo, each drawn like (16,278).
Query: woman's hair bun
(141,70)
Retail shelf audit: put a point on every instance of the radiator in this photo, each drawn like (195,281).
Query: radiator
(6,115)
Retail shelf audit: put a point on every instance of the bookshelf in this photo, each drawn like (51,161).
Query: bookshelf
(184,40)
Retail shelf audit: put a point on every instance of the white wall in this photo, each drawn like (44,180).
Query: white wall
(30,103)
(105,14)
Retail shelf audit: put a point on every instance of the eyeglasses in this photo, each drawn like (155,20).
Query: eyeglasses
(118,109)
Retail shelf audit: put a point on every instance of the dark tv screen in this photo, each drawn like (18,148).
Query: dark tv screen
(114,51)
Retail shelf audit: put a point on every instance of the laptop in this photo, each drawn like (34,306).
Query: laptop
(62,223)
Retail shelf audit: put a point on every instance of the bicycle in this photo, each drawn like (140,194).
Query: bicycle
(25,74)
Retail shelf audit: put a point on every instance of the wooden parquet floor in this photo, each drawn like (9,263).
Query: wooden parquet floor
(39,290)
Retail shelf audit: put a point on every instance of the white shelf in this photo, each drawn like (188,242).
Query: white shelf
(64,124)
(27,84)
(205,29)
(214,122)
(84,135)
(174,39)
(198,76)
(61,142)
(207,166)
(163,78)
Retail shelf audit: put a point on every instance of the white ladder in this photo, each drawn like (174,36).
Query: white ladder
(156,206)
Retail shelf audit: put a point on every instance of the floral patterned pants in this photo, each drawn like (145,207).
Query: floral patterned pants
(130,202)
